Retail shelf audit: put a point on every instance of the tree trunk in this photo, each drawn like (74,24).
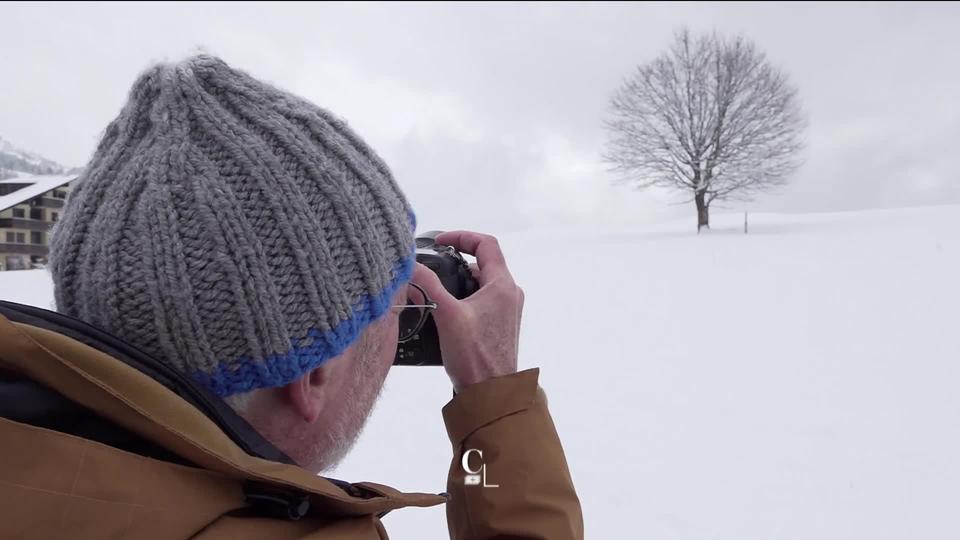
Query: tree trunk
(703,212)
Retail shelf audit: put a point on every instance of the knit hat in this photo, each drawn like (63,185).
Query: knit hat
(232,230)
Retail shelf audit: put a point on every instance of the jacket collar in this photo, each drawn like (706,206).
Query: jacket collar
(127,387)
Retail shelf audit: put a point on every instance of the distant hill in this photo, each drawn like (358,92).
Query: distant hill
(16,162)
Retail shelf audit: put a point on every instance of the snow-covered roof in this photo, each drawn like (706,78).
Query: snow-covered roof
(38,185)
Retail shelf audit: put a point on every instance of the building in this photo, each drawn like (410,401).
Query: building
(29,206)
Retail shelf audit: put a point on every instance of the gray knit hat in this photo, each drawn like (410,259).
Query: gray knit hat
(232,230)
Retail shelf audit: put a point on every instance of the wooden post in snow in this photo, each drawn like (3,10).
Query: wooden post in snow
(744,222)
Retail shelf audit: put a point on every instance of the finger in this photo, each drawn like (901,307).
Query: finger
(484,247)
(425,278)
(475,272)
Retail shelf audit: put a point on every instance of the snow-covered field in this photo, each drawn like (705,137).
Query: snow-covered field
(802,381)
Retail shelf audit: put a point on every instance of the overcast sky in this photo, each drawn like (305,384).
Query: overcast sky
(490,115)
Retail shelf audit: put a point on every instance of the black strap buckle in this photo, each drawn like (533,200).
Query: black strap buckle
(276,501)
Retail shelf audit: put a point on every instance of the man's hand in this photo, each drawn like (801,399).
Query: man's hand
(479,335)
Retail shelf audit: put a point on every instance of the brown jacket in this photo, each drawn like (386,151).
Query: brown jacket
(197,482)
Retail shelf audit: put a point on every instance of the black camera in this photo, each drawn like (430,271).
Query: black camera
(454,273)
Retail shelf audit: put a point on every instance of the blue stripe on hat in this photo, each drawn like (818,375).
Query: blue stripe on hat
(246,374)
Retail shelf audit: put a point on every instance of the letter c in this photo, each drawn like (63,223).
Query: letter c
(466,461)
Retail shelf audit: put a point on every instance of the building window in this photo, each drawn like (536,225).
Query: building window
(36,237)
(11,238)
(54,216)
(18,212)
(57,194)
(20,238)
(8,188)
(16,263)
(36,213)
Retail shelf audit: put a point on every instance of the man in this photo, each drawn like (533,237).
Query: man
(248,244)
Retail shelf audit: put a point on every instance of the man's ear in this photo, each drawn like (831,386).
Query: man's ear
(306,394)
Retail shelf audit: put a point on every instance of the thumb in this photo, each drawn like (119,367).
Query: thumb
(425,278)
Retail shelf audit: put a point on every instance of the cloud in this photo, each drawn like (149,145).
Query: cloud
(491,114)
(384,109)
(459,165)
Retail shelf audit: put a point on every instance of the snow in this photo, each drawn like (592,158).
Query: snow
(796,382)
(38,185)
(7,148)
(17,162)
(32,287)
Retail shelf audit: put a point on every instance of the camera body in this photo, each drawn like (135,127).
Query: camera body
(454,273)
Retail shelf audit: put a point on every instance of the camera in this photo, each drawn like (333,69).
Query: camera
(454,273)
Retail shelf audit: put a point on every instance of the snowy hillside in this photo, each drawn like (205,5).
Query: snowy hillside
(797,382)
(15,162)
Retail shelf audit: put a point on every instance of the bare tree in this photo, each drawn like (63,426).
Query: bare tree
(710,117)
